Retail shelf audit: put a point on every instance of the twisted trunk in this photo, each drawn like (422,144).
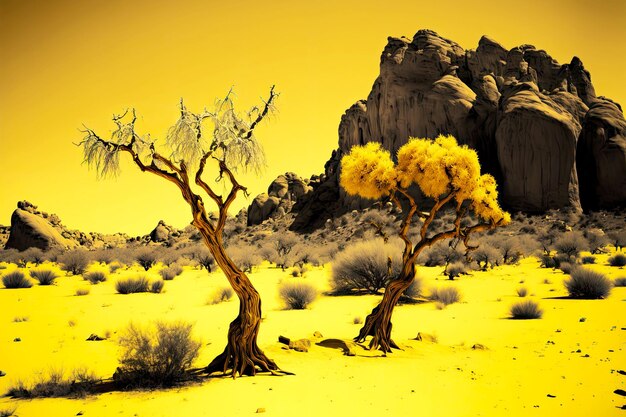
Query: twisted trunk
(242,355)
(378,322)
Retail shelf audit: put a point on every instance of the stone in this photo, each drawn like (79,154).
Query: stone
(94,338)
(348,347)
(479,346)
(161,233)
(425,337)
(301,345)
(261,208)
(601,157)
(29,230)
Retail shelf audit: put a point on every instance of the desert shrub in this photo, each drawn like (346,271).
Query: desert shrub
(156,286)
(455,270)
(549,261)
(587,284)
(170,272)
(33,255)
(132,285)
(8,412)
(522,292)
(220,295)
(571,244)
(567,267)
(596,239)
(201,255)
(297,295)
(618,238)
(617,260)
(55,383)
(364,267)
(44,276)
(16,279)
(445,295)
(82,291)
(441,254)
(588,260)
(486,256)
(155,355)
(146,258)
(525,310)
(619,282)
(95,277)
(74,261)
(245,258)
(513,248)
(415,289)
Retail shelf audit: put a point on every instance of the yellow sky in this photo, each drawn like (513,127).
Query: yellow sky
(65,63)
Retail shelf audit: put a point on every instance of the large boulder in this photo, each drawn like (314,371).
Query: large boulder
(261,208)
(29,230)
(601,157)
(161,233)
(536,143)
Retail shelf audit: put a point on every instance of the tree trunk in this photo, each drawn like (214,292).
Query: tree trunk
(242,355)
(378,323)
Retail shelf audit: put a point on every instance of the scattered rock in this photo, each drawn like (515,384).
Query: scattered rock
(317,335)
(479,346)
(620,392)
(94,338)
(301,345)
(347,346)
(582,319)
(17,339)
(425,337)
(551,396)
(260,410)
(2,373)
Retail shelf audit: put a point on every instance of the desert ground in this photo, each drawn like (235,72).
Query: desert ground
(479,362)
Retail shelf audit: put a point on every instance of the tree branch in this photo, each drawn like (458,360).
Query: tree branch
(262,114)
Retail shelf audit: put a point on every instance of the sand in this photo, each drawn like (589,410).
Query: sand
(565,363)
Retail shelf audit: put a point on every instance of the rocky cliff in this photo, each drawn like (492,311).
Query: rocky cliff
(537,125)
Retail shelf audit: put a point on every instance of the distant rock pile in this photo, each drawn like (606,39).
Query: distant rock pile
(537,125)
(32,228)
(280,198)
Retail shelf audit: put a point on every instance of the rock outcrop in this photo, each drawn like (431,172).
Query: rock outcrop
(31,227)
(29,230)
(527,116)
(281,195)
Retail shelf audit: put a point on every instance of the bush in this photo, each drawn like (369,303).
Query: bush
(522,291)
(132,285)
(620,282)
(74,262)
(16,279)
(617,260)
(156,355)
(55,384)
(171,272)
(445,295)
(588,259)
(526,309)
(146,258)
(220,295)
(597,240)
(44,276)
(364,267)
(244,257)
(548,261)
(567,267)
(513,248)
(415,289)
(297,295)
(571,244)
(82,291)
(95,277)
(441,254)
(156,286)
(486,256)
(34,255)
(455,270)
(587,284)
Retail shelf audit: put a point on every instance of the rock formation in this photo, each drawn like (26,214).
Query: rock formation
(537,125)
(281,195)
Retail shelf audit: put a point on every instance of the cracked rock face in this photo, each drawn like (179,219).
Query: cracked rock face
(537,125)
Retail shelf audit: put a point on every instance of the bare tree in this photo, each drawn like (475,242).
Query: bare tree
(228,147)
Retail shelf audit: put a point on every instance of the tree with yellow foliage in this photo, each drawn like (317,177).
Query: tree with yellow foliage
(445,172)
